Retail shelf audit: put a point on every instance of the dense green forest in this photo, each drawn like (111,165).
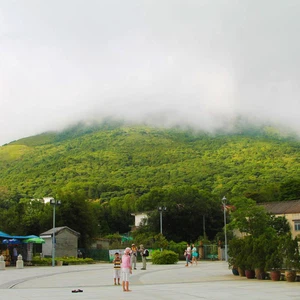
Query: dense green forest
(105,172)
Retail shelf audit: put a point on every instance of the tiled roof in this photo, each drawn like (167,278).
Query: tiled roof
(58,229)
(282,207)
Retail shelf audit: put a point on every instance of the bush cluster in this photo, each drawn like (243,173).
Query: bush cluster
(165,257)
(47,261)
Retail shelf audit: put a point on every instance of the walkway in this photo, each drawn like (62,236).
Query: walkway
(208,280)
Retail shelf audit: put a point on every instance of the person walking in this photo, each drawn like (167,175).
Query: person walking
(187,254)
(144,261)
(117,268)
(133,255)
(126,269)
(194,255)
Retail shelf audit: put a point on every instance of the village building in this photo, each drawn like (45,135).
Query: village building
(139,218)
(288,209)
(66,242)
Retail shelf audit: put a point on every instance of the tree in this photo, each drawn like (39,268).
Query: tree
(77,213)
(280,224)
(248,217)
(186,206)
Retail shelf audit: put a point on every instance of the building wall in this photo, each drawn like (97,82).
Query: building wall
(291,219)
(47,247)
(66,244)
(138,218)
(100,244)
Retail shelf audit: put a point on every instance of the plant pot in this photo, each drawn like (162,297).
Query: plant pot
(260,273)
(59,263)
(250,274)
(241,272)
(290,275)
(275,275)
(235,271)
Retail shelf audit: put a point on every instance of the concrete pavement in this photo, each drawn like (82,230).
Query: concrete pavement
(208,280)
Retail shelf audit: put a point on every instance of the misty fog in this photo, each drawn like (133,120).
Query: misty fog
(198,63)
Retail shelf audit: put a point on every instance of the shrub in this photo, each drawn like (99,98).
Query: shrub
(165,257)
(178,248)
(75,261)
(47,261)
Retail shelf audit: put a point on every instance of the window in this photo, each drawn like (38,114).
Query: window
(297,225)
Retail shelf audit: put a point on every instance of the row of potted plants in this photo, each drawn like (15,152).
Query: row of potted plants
(267,253)
(266,243)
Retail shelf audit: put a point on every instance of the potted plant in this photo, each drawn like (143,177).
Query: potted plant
(233,265)
(247,256)
(291,258)
(274,259)
(262,247)
(235,258)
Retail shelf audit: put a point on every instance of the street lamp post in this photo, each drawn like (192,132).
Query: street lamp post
(161,209)
(224,210)
(54,202)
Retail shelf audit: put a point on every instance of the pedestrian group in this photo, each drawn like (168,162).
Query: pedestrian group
(123,266)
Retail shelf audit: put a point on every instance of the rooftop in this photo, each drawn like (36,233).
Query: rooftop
(282,207)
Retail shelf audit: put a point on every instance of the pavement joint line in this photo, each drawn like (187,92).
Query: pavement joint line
(14,283)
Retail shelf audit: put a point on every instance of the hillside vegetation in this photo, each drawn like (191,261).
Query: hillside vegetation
(107,162)
(105,172)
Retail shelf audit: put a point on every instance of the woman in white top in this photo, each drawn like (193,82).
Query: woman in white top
(187,254)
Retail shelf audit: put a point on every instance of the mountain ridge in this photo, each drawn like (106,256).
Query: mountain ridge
(114,159)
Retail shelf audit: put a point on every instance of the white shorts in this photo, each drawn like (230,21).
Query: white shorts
(125,274)
(117,273)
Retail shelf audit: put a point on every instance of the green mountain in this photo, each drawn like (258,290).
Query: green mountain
(115,160)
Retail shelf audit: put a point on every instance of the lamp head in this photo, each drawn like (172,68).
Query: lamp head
(162,208)
(55,202)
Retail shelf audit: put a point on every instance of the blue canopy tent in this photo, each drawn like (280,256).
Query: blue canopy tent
(5,235)
(23,237)
(19,237)
(24,244)
(11,242)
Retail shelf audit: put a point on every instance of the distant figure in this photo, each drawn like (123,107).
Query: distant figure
(187,254)
(79,254)
(126,270)
(133,255)
(194,255)
(117,268)
(15,255)
(144,261)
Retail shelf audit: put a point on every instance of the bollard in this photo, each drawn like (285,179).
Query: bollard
(20,263)
(2,262)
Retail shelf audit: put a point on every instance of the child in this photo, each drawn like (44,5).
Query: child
(126,270)
(117,268)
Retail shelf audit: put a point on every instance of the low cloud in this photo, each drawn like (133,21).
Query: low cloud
(191,63)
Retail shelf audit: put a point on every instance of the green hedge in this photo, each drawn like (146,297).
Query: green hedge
(47,261)
(165,257)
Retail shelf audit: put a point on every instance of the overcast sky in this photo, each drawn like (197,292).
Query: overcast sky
(164,62)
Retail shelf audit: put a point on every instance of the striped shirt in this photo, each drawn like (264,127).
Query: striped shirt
(117,263)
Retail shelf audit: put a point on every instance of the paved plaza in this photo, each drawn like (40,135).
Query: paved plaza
(208,280)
